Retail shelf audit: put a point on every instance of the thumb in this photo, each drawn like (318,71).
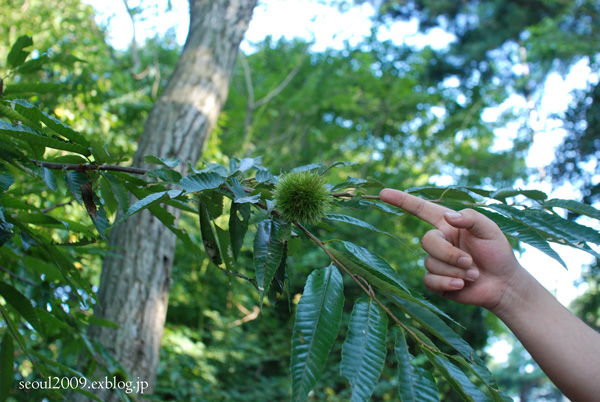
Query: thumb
(476,223)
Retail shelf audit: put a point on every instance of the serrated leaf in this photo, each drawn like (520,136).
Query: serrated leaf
(364,350)
(167,175)
(268,252)
(239,218)
(264,176)
(7,361)
(149,201)
(74,180)
(523,233)
(37,115)
(225,247)
(6,179)
(573,206)
(49,178)
(17,55)
(201,181)
(457,379)
(351,182)
(21,304)
(209,239)
(316,327)
(445,193)
(414,383)
(118,189)
(357,222)
(438,328)
(371,267)
(169,162)
(99,152)
(554,226)
(37,138)
(503,194)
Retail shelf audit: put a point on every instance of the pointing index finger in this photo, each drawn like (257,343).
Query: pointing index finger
(425,210)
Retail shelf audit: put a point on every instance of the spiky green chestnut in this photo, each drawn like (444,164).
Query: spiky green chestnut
(302,197)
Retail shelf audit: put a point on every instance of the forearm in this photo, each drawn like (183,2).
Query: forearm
(566,349)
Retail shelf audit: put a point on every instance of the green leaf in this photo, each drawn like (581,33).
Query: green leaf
(364,350)
(118,189)
(239,218)
(443,193)
(438,328)
(33,65)
(201,181)
(371,267)
(264,176)
(317,324)
(415,384)
(209,239)
(225,247)
(169,162)
(7,361)
(351,182)
(34,113)
(150,200)
(100,221)
(240,195)
(503,194)
(524,233)
(268,252)
(357,222)
(457,379)
(21,304)
(6,179)
(34,87)
(49,178)
(74,180)
(554,227)
(574,206)
(17,55)
(37,138)
(167,175)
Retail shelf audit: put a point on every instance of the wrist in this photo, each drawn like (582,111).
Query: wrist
(519,292)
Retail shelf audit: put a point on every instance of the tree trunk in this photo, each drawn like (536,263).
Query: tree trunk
(135,280)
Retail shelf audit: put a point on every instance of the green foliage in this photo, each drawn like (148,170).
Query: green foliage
(317,324)
(302,196)
(374,100)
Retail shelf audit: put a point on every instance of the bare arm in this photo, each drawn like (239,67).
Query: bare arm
(471,262)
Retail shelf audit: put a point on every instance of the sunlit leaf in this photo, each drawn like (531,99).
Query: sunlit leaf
(364,350)
(317,324)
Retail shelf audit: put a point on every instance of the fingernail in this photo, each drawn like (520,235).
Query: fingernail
(453,215)
(465,262)
(456,283)
(472,274)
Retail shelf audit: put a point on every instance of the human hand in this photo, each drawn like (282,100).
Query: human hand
(469,259)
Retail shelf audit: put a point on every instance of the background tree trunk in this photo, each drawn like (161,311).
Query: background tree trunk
(135,279)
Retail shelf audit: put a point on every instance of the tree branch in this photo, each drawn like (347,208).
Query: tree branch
(22,279)
(91,166)
(364,285)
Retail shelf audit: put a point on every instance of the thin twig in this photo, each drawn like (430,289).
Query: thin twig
(91,166)
(9,272)
(366,288)
(50,208)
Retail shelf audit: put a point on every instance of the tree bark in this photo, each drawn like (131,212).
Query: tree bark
(135,280)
